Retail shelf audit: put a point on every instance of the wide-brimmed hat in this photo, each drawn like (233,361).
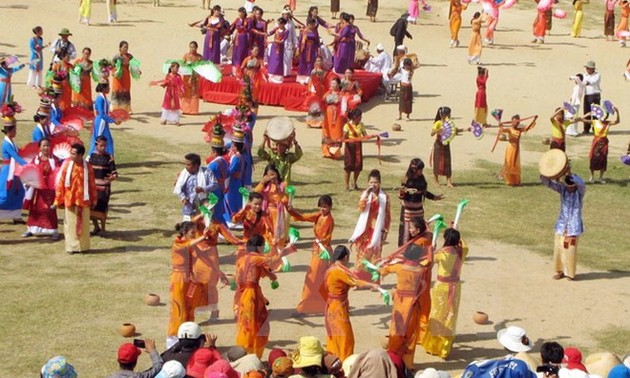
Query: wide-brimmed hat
(58,367)
(590,64)
(189,330)
(199,362)
(432,373)
(310,352)
(65,31)
(514,339)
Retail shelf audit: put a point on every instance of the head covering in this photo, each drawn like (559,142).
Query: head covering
(401,47)
(514,339)
(65,31)
(189,330)
(128,353)
(590,64)
(332,364)
(619,371)
(282,367)
(55,84)
(58,367)
(199,361)
(247,363)
(310,352)
(172,369)
(374,363)
(274,354)
(238,135)
(432,373)
(8,116)
(221,366)
(217,136)
(348,363)
(380,47)
(234,353)
(573,359)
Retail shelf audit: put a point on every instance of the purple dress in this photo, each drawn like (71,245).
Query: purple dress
(241,41)
(212,43)
(257,39)
(344,56)
(276,53)
(309,48)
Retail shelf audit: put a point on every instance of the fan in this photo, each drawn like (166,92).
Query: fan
(31,176)
(477,129)
(62,150)
(119,115)
(448,132)
(29,151)
(209,71)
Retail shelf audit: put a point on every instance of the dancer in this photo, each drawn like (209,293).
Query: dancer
(512,164)
(420,235)
(275,203)
(334,8)
(112,15)
(174,89)
(312,301)
(351,92)
(475,46)
(622,27)
(353,132)
(61,79)
(258,31)
(315,100)
(193,185)
(255,220)
(346,49)
(609,20)
(83,98)
(212,27)
(278,154)
(455,20)
(481,105)
(406,89)
(441,156)
(42,217)
(240,28)
(492,19)
(251,68)
(236,171)
(559,126)
(445,295)
(85,11)
(411,283)
(599,148)
(576,101)
(291,41)
(372,9)
(373,224)
(121,78)
(275,58)
(412,192)
(333,126)
(219,167)
(540,24)
(43,127)
(413,9)
(102,119)
(104,173)
(308,51)
(576,29)
(189,100)
(11,188)
(36,68)
(337,283)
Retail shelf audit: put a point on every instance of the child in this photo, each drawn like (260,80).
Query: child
(442,149)
(599,148)
(575,101)
(353,152)
(255,220)
(174,86)
(312,301)
(406,89)
(104,174)
(512,161)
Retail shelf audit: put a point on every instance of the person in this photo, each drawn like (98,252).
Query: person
(372,9)
(42,218)
(189,339)
(576,29)
(323,226)
(373,224)
(393,75)
(258,31)
(212,27)
(11,188)
(492,14)
(193,185)
(308,50)
(445,295)
(127,358)
(559,127)
(255,220)
(410,284)
(85,11)
(112,15)
(219,167)
(124,64)
(592,91)
(276,52)
(102,119)
(240,28)
(381,63)
(76,194)
(475,46)
(104,172)
(353,132)
(413,8)
(334,8)
(189,100)
(413,190)
(199,362)
(575,101)
(599,148)
(373,363)
(279,155)
(5,80)
(351,92)
(251,69)
(455,20)
(220,369)
(276,199)
(315,99)
(399,31)
(61,79)
(406,90)
(291,41)
(481,105)
(174,89)
(420,235)
(512,163)
(63,44)
(539,27)
(43,128)
(307,360)
(442,149)
(622,27)
(515,340)
(569,225)
(58,367)
(552,354)
(83,98)
(236,171)
(36,69)
(609,20)
(333,125)
(337,283)
(346,47)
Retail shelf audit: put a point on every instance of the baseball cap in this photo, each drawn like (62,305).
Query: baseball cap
(189,330)
(128,353)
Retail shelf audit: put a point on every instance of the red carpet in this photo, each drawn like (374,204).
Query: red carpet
(289,95)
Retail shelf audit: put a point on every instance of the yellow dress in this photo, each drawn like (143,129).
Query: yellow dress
(85,10)
(577,19)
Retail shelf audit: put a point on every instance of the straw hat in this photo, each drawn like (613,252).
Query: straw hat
(279,128)
(310,352)
(514,339)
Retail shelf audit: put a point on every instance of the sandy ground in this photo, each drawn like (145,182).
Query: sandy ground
(524,78)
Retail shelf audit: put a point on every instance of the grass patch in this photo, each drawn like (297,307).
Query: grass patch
(613,339)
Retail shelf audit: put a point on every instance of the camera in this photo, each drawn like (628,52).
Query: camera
(548,369)
(139,343)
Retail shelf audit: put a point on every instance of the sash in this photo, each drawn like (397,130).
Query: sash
(375,240)
(86,187)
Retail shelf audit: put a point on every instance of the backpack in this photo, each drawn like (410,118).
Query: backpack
(505,368)
(392,31)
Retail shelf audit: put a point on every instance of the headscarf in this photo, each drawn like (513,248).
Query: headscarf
(374,363)
(274,354)
(573,359)
(398,362)
(247,363)
(199,361)
(221,366)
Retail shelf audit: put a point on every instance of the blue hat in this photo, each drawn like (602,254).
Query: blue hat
(58,367)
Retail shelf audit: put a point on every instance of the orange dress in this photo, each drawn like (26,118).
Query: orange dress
(253,224)
(121,86)
(189,100)
(403,328)
(540,25)
(512,163)
(65,100)
(364,251)
(455,18)
(83,99)
(275,201)
(332,128)
(425,296)
(251,67)
(181,309)
(312,301)
(339,334)
(623,22)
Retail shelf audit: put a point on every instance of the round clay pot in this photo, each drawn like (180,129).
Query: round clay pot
(480,317)
(546,141)
(128,330)
(152,299)
(396,127)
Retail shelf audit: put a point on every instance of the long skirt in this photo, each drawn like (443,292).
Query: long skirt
(312,301)
(512,165)
(181,311)
(121,91)
(208,296)
(455,25)
(339,333)
(252,323)
(353,157)
(334,6)
(406,99)
(609,23)
(403,328)
(76,230)
(42,220)
(406,215)
(599,154)
(372,8)
(102,205)
(189,101)
(441,159)
(438,340)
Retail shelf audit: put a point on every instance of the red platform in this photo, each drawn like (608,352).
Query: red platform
(290,94)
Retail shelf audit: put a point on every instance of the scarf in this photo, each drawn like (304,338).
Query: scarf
(183,177)
(86,187)
(375,240)
(11,174)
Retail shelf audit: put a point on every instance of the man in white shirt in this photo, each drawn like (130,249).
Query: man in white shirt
(290,42)
(380,63)
(225,45)
(393,75)
(63,43)
(592,91)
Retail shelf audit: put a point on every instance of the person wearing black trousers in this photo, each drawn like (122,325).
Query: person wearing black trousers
(399,31)
(592,91)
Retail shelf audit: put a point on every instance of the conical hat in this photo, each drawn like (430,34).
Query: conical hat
(279,128)
(553,163)
(601,363)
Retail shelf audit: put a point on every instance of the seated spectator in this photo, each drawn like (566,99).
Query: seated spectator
(221,367)
(514,339)
(307,360)
(190,339)
(200,360)
(551,355)
(128,358)
(274,354)
(381,63)
(373,363)
(573,359)
(172,369)
(58,367)
(282,367)
(247,363)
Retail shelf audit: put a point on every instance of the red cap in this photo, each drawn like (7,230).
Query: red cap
(128,353)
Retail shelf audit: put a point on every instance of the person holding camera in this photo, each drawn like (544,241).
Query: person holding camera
(551,355)
(128,358)
(63,44)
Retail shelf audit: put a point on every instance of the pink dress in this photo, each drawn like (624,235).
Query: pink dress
(174,86)
(413,10)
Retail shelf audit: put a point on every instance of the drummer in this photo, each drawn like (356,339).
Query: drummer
(569,225)
(277,152)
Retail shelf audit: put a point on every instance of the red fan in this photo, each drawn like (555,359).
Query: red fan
(29,151)
(62,150)
(120,115)
(75,123)
(66,131)
(31,175)
(77,112)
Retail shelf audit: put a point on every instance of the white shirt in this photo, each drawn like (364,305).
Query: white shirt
(72,51)
(380,63)
(292,38)
(578,92)
(592,83)
(405,76)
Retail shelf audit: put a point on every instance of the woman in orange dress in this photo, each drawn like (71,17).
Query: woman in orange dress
(332,128)
(275,203)
(83,99)
(121,78)
(512,163)
(540,24)
(312,301)
(61,77)
(189,101)
(251,69)
(411,275)
(337,282)
(316,88)
(255,221)
(455,17)
(475,45)
(351,92)
(622,28)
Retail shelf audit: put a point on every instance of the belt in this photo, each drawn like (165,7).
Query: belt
(6,161)
(339,297)
(406,293)
(249,285)
(448,279)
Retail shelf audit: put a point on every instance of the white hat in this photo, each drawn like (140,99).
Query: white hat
(401,47)
(189,330)
(380,47)
(286,11)
(432,373)
(172,369)
(514,339)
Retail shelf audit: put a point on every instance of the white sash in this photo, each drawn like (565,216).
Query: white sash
(86,187)
(363,219)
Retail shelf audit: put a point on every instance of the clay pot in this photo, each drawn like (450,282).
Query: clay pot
(546,141)
(152,300)
(480,317)
(396,127)
(127,330)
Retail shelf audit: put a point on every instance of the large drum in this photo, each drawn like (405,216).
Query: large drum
(553,164)
(280,130)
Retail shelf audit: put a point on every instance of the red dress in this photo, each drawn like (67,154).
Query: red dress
(41,218)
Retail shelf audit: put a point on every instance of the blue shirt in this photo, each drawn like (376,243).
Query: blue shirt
(570,218)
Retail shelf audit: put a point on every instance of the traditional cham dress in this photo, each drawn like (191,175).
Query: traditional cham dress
(236,171)
(609,18)
(174,89)
(189,101)
(576,29)
(309,49)
(63,68)
(121,83)
(254,224)
(241,42)
(623,22)
(540,25)
(104,171)
(275,59)
(11,188)
(346,48)
(353,150)
(83,98)
(85,11)
(599,148)
(181,307)
(455,19)
(512,162)
(36,71)
(212,41)
(101,124)
(425,241)
(42,220)
(251,68)
(481,106)
(445,297)
(314,101)
(333,126)
(258,39)
(220,169)
(275,203)
(475,46)
(493,20)
(441,154)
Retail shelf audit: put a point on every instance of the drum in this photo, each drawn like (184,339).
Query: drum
(280,129)
(553,164)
